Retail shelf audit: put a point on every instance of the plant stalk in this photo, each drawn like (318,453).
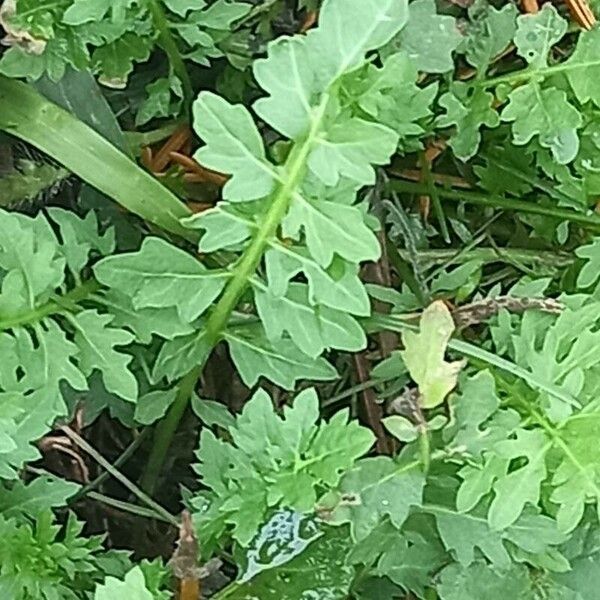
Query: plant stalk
(169,45)
(590,221)
(221,313)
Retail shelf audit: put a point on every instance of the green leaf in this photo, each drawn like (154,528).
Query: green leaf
(489,32)
(212,413)
(178,356)
(577,477)
(283,363)
(116,60)
(278,461)
(391,96)
(152,406)
(376,488)
(144,322)
(331,226)
(319,571)
(182,7)
(96,342)
(401,428)
(583,67)
(312,328)
(233,146)
(82,11)
(537,33)
(161,275)
(159,102)
(33,498)
(32,264)
(224,227)
(429,39)
(338,45)
(545,113)
(462,533)
(424,352)
(133,587)
(479,581)
(468,109)
(590,272)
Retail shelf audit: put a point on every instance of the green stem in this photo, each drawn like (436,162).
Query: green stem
(525,74)
(591,221)
(51,308)
(169,45)
(166,429)
(217,322)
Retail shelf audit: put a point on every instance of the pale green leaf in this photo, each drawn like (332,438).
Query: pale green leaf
(424,352)
(537,33)
(584,67)
(283,363)
(312,328)
(152,406)
(546,114)
(161,275)
(429,38)
(376,488)
(469,110)
(233,146)
(133,587)
(96,341)
(489,32)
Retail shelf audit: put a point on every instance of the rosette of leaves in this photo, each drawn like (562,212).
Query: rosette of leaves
(290,232)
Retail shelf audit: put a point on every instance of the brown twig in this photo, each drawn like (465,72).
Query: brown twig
(193,167)
(176,142)
(371,409)
(582,13)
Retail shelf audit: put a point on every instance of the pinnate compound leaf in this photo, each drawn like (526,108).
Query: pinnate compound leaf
(347,31)
(277,461)
(282,363)
(537,33)
(160,275)
(133,587)
(424,352)
(547,114)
